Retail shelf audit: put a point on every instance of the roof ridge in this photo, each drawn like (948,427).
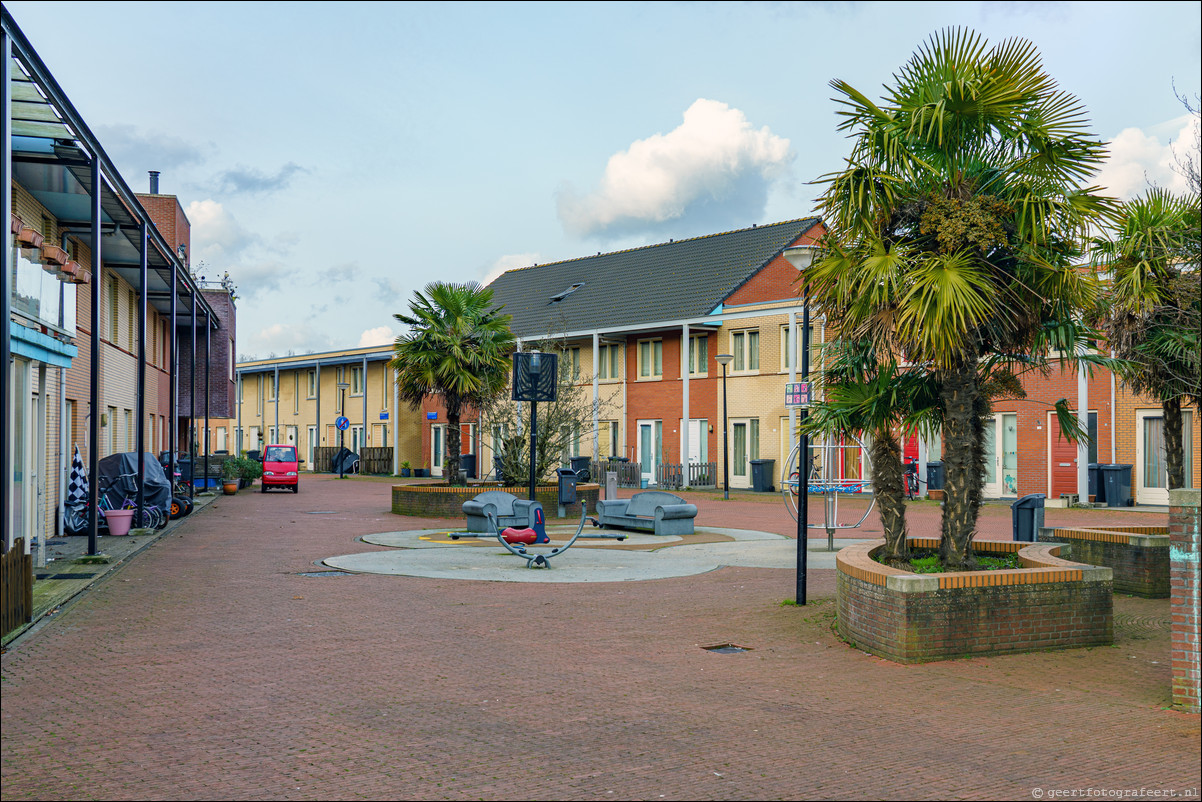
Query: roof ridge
(752,227)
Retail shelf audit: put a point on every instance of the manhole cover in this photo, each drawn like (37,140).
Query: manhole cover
(726,648)
(324,573)
(322,512)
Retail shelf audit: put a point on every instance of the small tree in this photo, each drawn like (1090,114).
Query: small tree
(560,421)
(457,347)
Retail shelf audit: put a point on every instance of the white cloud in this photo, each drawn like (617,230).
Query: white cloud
(510,261)
(281,338)
(1138,159)
(713,167)
(380,335)
(217,237)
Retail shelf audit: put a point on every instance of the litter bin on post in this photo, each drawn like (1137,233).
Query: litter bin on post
(1027,515)
(1117,479)
(467,464)
(934,476)
(761,475)
(567,488)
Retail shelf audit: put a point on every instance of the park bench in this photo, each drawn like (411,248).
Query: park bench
(651,510)
(506,508)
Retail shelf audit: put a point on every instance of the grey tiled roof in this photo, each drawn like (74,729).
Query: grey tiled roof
(642,286)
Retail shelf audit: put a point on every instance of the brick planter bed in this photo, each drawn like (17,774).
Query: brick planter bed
(1051,603)
(1138,555)
(440,501)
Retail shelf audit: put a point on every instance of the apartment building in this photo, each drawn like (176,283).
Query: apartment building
(95,299)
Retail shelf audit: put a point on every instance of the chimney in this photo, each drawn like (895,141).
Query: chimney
(154,182)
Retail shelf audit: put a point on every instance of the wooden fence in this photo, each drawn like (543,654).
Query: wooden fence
(377,460)
(16,588)
(668,476)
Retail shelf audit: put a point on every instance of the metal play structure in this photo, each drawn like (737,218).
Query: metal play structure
(533,559)
(828,475)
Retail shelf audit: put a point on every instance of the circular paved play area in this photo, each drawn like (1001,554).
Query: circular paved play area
(433,553)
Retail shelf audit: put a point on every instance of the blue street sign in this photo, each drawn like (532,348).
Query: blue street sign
(431,416)
(343,423)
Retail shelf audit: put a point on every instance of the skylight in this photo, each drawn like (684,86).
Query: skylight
(560,296)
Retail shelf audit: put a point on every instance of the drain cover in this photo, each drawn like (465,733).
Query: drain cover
(67,576)
(323,573)
(726,648)
(322,512)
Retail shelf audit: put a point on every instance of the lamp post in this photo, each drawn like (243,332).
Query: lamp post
(724,360)
(801,257)
(342,388)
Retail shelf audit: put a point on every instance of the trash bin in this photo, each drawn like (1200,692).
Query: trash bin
(934,476)
(1097,489)
(467,464)
(1117,479)
(183,464)
(1027,515)
(567,486)
(581,466)
(761,475)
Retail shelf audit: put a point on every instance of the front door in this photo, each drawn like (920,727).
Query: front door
(1001,456)
(290,435)
(438,448)
(744,447)
(1151,477)
(649,450)
(312,445)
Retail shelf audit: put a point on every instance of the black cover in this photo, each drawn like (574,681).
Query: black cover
(112,474)
(344,461)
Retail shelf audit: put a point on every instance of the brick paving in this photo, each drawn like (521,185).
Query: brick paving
(210,668)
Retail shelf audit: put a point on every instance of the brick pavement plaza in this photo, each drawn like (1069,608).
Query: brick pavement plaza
(209,667)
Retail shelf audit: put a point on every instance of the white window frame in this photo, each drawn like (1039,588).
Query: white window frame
(744,354)
(701,370)
(655,354)
(609,362)
(357,386)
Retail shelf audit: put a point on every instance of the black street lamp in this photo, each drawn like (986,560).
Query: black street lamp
(801,257)
(724,360)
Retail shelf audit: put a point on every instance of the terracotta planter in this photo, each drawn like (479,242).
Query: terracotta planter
(69,271)
(230,486)
(82,275)
(53,255)
(935,495)
(15,224)
(29,238)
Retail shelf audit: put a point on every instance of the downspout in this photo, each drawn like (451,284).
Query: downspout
(238,391)
(140,401)
(366,425)
(596,398)
(686,348)
(208,367)
(94,368)
(275,383)
(192,394)
(173,382)
(317,417)
(396,422)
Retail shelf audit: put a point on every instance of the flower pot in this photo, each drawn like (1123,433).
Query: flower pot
(70,271)
(82,275)
(230,486)
(420,473)
(29,238)
(405,472)
(935,495)
(119,521)
(53,255)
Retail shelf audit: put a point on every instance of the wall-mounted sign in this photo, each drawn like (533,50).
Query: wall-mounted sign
(383,416)
(797,394)
(431,416)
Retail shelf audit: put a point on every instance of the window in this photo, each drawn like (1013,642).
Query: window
(651,359)
(296,391)
(699,355)
(788,348)
(133,316)
(573,357)
(745,346)
(357,381)
(313,384)
(610,362)
(607,438)
(113,311)
(271,388)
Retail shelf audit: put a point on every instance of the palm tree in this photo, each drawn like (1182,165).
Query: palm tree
(864,394)
(1154,309)
(954,230)
(458,346)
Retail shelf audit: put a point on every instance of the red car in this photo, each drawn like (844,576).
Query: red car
(280,468)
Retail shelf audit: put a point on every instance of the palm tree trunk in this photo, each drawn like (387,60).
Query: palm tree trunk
(1174,442)
(962,464)
(453,445)
(888,479)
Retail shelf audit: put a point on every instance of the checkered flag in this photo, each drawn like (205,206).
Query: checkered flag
(77,490)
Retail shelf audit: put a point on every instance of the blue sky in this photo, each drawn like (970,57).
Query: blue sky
(334,158)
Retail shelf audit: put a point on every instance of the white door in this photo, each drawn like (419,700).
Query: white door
(312,445)
(698,436)
(1001,456)
(357,441)
(290,435)
(1151,474)
(438,448)
(744,447)
(650,447)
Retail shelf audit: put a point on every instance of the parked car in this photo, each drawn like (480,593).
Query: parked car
(280,468)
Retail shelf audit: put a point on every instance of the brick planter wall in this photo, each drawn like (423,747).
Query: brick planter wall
(1183,534)
(437,501)
(1051,603)
(1138,555)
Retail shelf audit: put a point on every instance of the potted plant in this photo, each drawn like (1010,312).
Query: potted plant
(420,472)
(231,475)
(251,470)
(406,468)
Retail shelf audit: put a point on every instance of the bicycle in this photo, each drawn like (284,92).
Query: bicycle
(153,516)
(911,479)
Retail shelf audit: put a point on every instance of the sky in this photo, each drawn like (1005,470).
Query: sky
(335,158)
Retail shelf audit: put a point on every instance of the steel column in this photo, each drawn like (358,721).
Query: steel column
(192,395)
(208,368)
(173,386)
(140,401)
(94,397)
(803,457)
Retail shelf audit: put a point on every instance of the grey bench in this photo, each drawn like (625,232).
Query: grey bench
(506,508)
(652,511)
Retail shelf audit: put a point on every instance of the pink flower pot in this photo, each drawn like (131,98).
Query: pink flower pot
(119,521)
